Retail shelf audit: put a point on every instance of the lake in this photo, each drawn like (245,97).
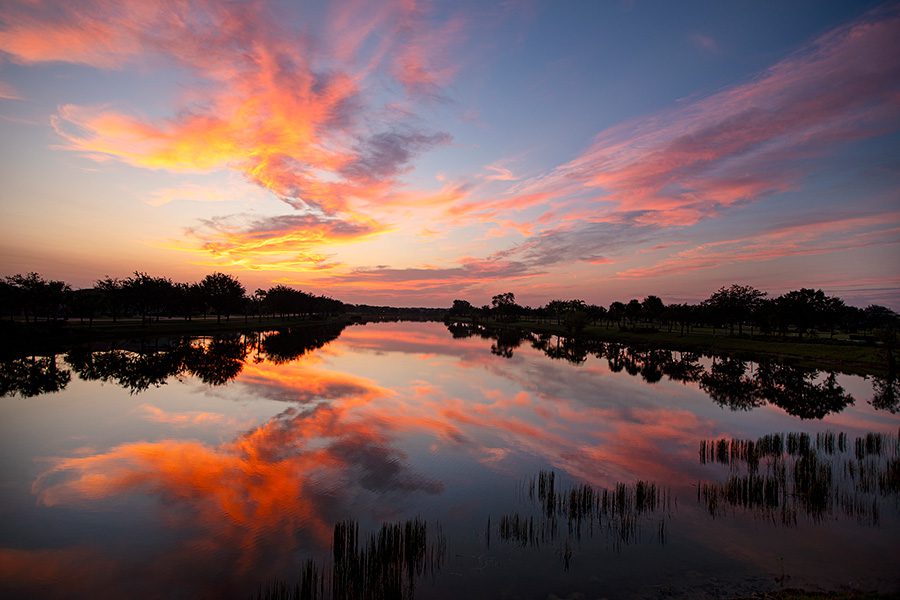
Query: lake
(400,460)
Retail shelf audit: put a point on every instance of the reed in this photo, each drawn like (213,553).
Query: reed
(565,514)
(820,477)
(384,566)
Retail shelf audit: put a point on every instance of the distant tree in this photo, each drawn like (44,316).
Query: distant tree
(111,290)
(616,312)
(85,304)
(556,308)
(595,313)
(734,304)
(680,314)
(148,295)
(884,323)
(802,308)
(29,292)
(258,302)
(652,308)
(187,299)
(504,305)
(461,308)
(833,310)
(9,299)
(39,297)
(223,293)
(633,311)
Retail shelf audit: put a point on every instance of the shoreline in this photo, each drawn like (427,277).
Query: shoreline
(857,359)
(853,359)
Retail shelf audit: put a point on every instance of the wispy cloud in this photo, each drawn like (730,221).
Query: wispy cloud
(8,92)
(684,164)
(834,234)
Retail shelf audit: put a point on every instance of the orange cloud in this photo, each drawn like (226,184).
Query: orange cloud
(283,242)
(276,105)
(181,419)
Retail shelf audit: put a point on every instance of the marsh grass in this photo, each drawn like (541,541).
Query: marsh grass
(783,477)
(384,566)
(564,515)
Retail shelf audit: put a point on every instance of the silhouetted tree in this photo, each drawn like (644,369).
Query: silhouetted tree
(111,290)
(223,293)
(148,295)
(596,313)
(802,308)
(616,312)
(734,304)
(633,311)
(85,304)
(461,308)
(504,305)
(37,296)
(652,308)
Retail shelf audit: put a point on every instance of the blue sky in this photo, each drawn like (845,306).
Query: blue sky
(411,153)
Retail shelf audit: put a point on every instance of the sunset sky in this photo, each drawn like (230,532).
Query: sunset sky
(411,153)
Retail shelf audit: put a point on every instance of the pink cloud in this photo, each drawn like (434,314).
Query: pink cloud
(681,165)
(820,237)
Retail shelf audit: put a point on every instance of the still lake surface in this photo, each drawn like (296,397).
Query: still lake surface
(417,460)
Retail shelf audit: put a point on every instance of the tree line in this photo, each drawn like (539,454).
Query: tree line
(731,309)
(33,298)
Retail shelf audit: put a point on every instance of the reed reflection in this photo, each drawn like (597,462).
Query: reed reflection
(781,477)
(566,514)
(385,566)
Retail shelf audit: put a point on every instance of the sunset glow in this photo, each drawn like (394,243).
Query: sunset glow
(411,153)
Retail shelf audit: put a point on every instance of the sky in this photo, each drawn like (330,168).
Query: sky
(411,153)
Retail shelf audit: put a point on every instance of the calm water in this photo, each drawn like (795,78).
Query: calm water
(409,459)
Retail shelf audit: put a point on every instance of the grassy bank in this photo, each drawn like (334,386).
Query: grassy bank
(818,353)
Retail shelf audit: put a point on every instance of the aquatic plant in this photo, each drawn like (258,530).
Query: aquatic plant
(782,476)
(566,514)
(386,565)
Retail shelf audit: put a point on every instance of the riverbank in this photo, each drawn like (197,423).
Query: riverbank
(52,337)
(824,354)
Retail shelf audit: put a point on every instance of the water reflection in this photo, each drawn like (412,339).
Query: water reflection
(385,567)
(730,382)
(736,384)
(398,424)
(616,514)
(213,360)
(779,477)
(32,376)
